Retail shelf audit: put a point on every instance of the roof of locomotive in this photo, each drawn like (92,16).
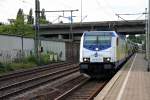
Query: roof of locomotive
(106,33)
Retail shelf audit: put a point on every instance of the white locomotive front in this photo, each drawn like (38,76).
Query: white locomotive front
(98,51)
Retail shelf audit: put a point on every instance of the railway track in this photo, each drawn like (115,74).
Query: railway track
(12,78)
(84,91)
(57,91)
(31,71)
(9,90)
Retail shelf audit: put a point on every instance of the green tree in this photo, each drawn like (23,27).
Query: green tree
(19,23)
(30,17)
(18,27)
(137,39)
(20,17)
(42,18)
(132,38)
(1,23)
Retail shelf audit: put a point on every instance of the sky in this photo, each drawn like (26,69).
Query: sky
(92,10)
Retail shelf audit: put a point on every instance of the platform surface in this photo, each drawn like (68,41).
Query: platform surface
(130,83)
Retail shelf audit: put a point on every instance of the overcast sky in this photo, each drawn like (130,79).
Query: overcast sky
(93,10)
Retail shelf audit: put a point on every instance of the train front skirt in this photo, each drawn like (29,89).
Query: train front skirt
(96,68)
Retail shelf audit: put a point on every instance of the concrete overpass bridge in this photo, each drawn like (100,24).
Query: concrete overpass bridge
(75,30)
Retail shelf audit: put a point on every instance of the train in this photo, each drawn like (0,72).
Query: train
(103,52)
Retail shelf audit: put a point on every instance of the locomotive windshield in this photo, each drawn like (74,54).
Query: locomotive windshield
(90,40)
(104,40)
(97,41)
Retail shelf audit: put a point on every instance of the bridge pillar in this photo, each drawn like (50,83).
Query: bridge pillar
(60,36)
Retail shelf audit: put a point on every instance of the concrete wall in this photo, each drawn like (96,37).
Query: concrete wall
(56,47)
(12,42)
(10,47)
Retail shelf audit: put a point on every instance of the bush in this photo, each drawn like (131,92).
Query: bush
(5,68)
(44,59)
(2,68)
(31,59)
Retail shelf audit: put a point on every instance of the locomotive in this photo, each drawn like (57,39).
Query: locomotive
(102,52)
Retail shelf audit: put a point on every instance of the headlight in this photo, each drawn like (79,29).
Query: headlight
(86,59)
(106,59)
(96,49)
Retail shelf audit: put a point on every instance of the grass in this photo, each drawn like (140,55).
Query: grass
(26,63)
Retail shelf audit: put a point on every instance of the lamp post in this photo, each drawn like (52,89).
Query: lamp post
(148,69)
(146,33)
(81,11)
(36,42)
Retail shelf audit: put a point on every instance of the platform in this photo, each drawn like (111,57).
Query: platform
(132,82)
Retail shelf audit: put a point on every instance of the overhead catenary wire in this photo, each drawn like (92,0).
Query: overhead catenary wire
(121,17)
(139,16)
(132,14)
(128,14)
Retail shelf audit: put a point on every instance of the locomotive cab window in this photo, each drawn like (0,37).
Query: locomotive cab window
(104,40)
(99,40)
(90,40)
